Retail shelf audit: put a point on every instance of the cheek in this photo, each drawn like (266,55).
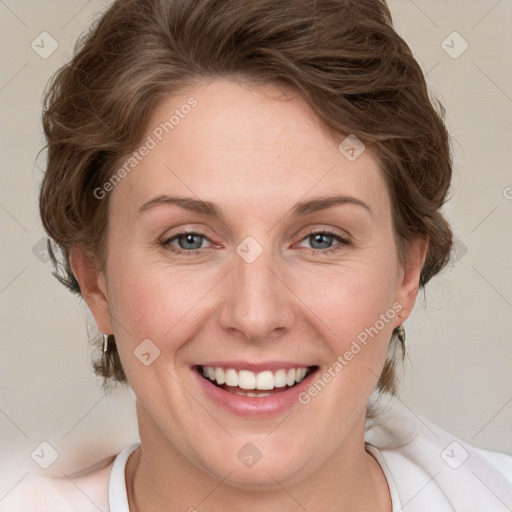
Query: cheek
(155,301)
(155,305)
(352,297)
(355,312)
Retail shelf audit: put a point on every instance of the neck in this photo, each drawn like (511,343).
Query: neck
(160,477)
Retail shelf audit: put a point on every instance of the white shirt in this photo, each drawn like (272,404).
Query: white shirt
(427,470)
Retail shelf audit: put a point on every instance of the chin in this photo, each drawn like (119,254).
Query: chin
(245,466)
(258,478)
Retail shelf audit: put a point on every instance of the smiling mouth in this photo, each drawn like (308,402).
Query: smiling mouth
(255,385)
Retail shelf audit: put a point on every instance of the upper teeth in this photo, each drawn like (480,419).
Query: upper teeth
(246,379)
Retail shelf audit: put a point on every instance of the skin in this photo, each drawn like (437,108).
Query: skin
(254,152)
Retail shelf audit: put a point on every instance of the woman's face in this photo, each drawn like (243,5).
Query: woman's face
(290,264)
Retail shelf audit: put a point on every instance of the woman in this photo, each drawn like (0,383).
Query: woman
(247,195)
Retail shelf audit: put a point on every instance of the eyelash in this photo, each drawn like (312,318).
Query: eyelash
(342,242)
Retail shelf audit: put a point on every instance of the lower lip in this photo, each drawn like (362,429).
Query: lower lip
(254,406)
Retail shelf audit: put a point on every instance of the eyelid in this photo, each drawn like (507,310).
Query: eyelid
(330,231)
(340,242)
(185,232)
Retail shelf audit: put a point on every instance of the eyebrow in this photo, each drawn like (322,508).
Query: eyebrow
(208,208)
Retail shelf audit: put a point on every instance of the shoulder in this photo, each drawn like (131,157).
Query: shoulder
(433,466)
(83,491)
(501,461)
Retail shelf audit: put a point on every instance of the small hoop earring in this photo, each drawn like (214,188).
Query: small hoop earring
(401,337)
(106,343)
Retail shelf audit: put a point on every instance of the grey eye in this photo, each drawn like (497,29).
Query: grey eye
(190,241)
(323,239)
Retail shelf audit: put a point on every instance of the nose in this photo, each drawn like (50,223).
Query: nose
(258,305)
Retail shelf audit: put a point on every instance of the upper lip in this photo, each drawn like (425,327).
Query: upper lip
(255,367)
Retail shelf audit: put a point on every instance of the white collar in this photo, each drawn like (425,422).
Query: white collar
(423,464)
(118,494)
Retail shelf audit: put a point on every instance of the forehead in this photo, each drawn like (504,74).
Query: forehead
(250,142)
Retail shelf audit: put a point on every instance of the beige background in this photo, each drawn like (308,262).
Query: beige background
(459,342)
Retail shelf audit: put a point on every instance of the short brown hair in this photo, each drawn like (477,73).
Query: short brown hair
(342,56)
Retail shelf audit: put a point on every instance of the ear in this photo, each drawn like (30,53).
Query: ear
(93,287)
(409,277)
